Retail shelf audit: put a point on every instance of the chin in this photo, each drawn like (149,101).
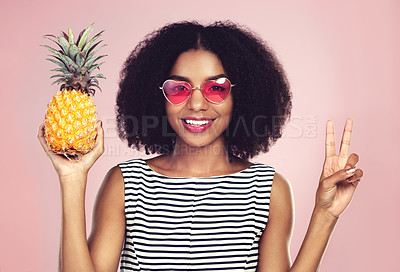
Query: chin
(197,142)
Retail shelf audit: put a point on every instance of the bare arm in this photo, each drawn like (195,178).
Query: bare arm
(75,252)
(335,190)
(275,241)
(108,224)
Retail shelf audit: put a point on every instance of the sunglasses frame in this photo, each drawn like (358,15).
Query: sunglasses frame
(196,88)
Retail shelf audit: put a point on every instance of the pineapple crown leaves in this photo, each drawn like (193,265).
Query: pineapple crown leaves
(76,59)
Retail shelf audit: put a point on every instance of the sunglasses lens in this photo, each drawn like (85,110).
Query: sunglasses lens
(176,92)
(217,90)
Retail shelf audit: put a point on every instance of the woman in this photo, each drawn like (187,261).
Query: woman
(200,205)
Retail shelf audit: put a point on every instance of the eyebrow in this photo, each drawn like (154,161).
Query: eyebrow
(182,78)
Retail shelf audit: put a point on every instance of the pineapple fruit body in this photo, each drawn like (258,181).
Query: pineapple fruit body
(71,123)
(71,119)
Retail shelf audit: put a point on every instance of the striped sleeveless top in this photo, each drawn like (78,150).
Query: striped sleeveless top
(205,224)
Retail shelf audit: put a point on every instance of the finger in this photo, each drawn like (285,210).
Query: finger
(339,176)
(98,147)
(355,179)
(100,136)
(42,138)
(346,139)
(40,132)
(330,140)
(352,161)
(43,143)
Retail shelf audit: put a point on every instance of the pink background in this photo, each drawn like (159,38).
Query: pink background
(342,59)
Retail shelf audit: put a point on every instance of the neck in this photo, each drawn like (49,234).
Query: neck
(198,160)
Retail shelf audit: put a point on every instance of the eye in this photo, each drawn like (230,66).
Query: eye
(216,88)
(180,88)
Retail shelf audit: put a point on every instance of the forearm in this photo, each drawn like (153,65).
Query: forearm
(74,251)
(315,242)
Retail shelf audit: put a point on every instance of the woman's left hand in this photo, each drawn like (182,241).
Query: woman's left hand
(337,184)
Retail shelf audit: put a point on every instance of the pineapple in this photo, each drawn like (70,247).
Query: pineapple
(71,118)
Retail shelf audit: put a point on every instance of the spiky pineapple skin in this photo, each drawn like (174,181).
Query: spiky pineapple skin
(71,119)
(71,123)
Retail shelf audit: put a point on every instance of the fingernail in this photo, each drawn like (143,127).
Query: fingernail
(350,171)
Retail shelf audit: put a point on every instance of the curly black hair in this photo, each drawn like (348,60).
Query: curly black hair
(262,98)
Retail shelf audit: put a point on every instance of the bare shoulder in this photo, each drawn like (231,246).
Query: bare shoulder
(281,197)
(114,176)
(113,184)
(112,191)
(275,242)
(110,201)
(281,186)
(108,224)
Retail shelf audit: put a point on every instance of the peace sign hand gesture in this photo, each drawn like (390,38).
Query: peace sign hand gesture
(339,178)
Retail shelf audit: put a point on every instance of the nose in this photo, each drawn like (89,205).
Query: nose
(196,101)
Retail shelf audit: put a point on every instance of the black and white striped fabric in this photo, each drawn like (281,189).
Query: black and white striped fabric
(194,224)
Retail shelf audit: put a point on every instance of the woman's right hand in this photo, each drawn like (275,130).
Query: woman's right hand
(67,168)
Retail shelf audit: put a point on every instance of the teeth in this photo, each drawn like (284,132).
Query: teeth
(197,123)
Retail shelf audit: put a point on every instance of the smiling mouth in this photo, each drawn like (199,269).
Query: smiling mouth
(197,123)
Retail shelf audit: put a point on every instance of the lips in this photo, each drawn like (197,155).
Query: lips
(196,125)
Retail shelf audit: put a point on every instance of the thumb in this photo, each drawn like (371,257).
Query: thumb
(98,147)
